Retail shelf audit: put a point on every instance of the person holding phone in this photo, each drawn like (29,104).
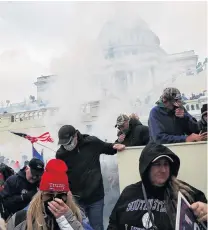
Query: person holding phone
(169,122)
(53,207)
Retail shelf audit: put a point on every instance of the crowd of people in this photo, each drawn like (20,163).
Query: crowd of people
(193,96)
(68,192)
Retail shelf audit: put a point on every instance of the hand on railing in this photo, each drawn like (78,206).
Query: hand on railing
(196,137)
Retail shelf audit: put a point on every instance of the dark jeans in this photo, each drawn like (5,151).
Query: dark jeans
(94,212)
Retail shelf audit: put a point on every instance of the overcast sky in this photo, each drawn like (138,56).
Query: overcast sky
(33,34)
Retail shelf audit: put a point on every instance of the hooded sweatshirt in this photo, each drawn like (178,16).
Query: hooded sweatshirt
(166,128)
(137,135)
(130,211)
(202,124)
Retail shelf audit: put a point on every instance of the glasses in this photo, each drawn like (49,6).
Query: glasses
(52,196)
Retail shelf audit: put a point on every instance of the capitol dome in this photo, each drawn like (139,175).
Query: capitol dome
(126,32)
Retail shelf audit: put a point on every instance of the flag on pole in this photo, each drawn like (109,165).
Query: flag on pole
(36,154)
(45,137)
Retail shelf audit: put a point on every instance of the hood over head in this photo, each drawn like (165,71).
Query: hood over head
(153,151)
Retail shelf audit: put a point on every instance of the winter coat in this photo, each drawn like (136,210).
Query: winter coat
(68,221)
(17,194)
(166,128)
(84,172)
(137,134)
(130,211)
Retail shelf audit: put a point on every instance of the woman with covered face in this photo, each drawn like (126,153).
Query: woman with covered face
(152,202)
(53,207)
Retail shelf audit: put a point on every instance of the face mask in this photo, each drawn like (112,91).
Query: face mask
(47,211)
(72,145)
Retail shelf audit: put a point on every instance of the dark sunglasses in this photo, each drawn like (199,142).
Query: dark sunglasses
(52,196)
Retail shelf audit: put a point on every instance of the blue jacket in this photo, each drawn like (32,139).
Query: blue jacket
(166,128)
(17,193)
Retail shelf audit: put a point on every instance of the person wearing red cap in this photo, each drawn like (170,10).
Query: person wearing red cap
(81,153)
(53,207)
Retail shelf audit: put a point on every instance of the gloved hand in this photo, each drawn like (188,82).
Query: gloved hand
(29,195)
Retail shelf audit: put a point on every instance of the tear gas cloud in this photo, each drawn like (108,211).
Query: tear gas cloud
(83,74)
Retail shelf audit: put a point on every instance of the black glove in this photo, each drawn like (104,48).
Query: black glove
(29,195)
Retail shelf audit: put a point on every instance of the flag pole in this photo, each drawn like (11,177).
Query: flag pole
(32,148)
(45,146)
(42,154)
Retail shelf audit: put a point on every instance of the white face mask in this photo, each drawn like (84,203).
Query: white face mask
(72,145)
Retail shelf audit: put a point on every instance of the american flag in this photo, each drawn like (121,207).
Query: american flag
(45,137)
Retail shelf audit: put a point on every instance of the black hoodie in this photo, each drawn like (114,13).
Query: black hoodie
(137,134)
(84,172)
(130,211)
(202,124)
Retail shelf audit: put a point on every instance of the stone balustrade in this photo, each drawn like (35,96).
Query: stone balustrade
(193,167)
